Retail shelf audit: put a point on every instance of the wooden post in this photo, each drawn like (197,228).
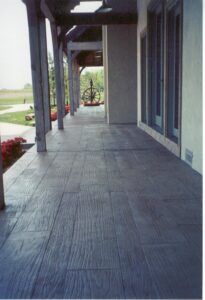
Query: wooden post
(35,51)
(45,80)
(78,85)
(70,78)
(2,201)
(74,85)
(62,76)
(58,75)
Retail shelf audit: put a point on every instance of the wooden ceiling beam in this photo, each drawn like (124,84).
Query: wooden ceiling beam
(84,46)
(96,19)
(46,11)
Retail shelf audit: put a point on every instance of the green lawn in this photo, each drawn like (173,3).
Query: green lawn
(17,118)
(8,97)
(3,107)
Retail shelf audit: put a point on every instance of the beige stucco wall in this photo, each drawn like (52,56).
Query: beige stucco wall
(121,73)
(191,116)
(192,82)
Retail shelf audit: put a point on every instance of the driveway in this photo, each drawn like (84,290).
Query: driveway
(16,107)
(10,131)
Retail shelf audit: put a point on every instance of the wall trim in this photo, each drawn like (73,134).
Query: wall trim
(171,146)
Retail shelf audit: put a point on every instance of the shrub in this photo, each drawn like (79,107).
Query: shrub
(11,151)
(67,108)
(54,115)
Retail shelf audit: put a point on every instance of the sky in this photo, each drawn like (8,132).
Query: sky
(14,46)
(15,69)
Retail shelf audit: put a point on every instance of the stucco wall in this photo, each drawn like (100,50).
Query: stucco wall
(191,117)
(192,82)
(121,73)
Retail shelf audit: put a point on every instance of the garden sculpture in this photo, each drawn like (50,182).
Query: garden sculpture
(91,95)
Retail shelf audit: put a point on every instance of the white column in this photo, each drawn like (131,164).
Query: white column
(122,82)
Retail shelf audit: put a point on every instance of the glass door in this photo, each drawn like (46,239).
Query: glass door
(158,72)
(173,72)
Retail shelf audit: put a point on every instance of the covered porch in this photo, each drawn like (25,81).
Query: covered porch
(106,212)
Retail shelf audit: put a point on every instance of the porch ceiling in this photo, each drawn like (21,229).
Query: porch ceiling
(122,12)
(86,34)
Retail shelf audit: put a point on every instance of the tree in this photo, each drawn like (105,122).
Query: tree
(52,80)
(27,86)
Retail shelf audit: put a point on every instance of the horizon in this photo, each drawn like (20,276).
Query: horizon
(87,69)
(15,65)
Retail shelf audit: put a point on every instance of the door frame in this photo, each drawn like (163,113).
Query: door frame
(144,115)
(175,8)
(155,85)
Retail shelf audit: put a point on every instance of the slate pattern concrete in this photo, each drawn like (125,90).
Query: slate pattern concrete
(107,212)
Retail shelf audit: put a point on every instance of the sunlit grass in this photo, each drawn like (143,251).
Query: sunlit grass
(12,97)
(4,107)
(17,118)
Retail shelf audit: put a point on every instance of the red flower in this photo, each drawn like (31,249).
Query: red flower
(11,150)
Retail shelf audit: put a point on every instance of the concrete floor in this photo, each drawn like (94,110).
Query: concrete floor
(107,212)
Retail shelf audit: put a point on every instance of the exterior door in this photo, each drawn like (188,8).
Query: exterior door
(158,99)
(156,66)
(173,72)
(144,78)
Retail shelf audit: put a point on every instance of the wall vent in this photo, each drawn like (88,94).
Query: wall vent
(188,156)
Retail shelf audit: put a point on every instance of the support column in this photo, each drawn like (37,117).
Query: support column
(2,202)
(37,77)
(62,76)
(78,86)
(58,75)
(70,78)
(45,80)
(121,49)
(75,93)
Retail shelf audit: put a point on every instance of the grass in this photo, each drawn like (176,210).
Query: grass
(12,97)
(17,118)
(4,107)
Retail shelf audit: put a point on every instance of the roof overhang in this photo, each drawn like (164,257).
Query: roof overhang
(88,25)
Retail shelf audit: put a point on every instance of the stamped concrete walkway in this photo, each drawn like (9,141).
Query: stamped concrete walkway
(107,212)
